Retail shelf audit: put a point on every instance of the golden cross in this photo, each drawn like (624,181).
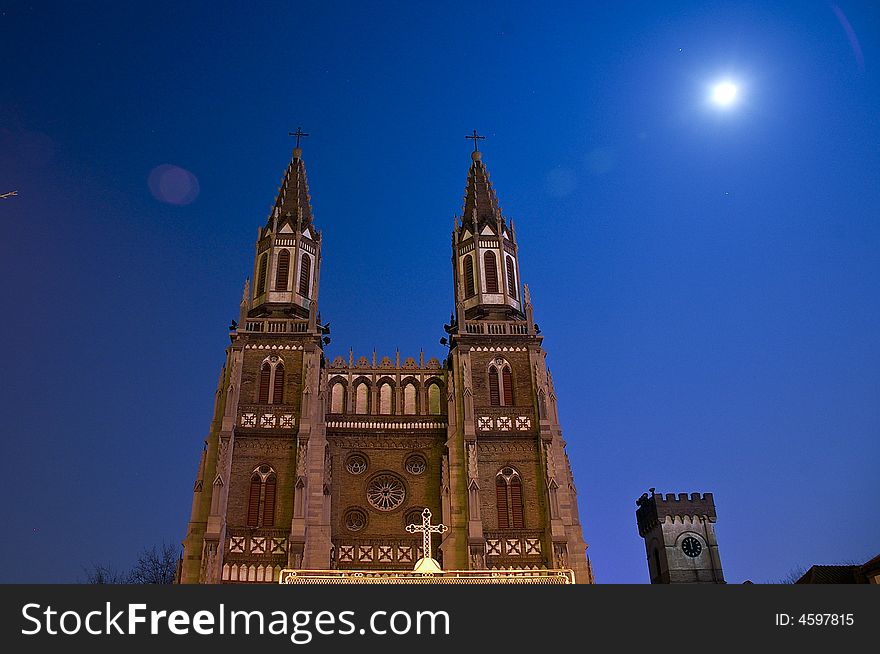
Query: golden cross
(426,528)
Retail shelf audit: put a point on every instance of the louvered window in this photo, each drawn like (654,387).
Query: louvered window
(501,503)
(494,391)
(265,375)
(516,507)
(507,383)
(253,514)
(491,268)
(305,273)
(508,499)
(269,503)
(261,275)
(282,270)
(511,279)
(468,276)
(278,385)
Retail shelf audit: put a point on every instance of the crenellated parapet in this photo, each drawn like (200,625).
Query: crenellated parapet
(655,508)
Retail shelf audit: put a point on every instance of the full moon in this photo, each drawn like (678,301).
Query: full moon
(724,93)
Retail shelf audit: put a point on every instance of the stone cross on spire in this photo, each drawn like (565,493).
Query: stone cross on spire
(426,563)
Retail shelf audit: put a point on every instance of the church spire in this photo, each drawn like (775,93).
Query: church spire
(293,205)
(486,273)
(288,257)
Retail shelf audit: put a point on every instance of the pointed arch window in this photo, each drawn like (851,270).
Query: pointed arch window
(261,275)
(511,278)
(337,398)
(434,399)
(490,266)
(305,274)
(508,499)
(469,276)
(409,399)
(282,270)
(271,386)
(500,383)
(385,400)
(261,497)
(361,398)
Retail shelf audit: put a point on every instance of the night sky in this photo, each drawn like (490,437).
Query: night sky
(706,277)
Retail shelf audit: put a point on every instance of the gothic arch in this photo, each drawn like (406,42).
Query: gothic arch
(261,497)
(282,270)
(508,498)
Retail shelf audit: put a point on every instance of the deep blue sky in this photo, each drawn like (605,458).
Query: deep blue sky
(707,281)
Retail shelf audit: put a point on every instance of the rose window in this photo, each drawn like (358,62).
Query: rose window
(386,492)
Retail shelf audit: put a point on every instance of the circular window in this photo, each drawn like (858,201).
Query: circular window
(413,517)
(691,547)
(356,464)
(416,464)
(386,492)
(355,519)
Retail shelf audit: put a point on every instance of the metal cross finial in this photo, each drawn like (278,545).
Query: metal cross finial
(476,137)
(426,529)
(299,133)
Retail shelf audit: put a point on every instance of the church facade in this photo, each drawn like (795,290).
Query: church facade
(320,463)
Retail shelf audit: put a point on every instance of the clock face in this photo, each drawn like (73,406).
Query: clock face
(691,547)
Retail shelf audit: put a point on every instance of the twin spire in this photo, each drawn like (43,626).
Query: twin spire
(480,208)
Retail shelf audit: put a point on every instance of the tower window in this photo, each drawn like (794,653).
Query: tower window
(305,274)
(494,388)
(261,275)
(261,497)
(468,276)
(282,270)
(278,384)
(265,377)
(511,278)
(271,386)
(500,383)
(508,499)
(491,268)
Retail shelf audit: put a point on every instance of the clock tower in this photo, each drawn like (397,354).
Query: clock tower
(679,533)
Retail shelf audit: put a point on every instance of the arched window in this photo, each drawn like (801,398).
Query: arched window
(494,388)
(282,270)
(385,401)
(265,377)
(491,268)
(271,386)
(261,275)
(337,398)
(409,399)
(278,385)
(507,385)
(361,399)
(434,399)
(305,275)
(261,497)
(511,278)
(500,383)
(508,499)
(469,276)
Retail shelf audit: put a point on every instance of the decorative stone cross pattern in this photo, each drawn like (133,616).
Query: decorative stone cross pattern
(426,529)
